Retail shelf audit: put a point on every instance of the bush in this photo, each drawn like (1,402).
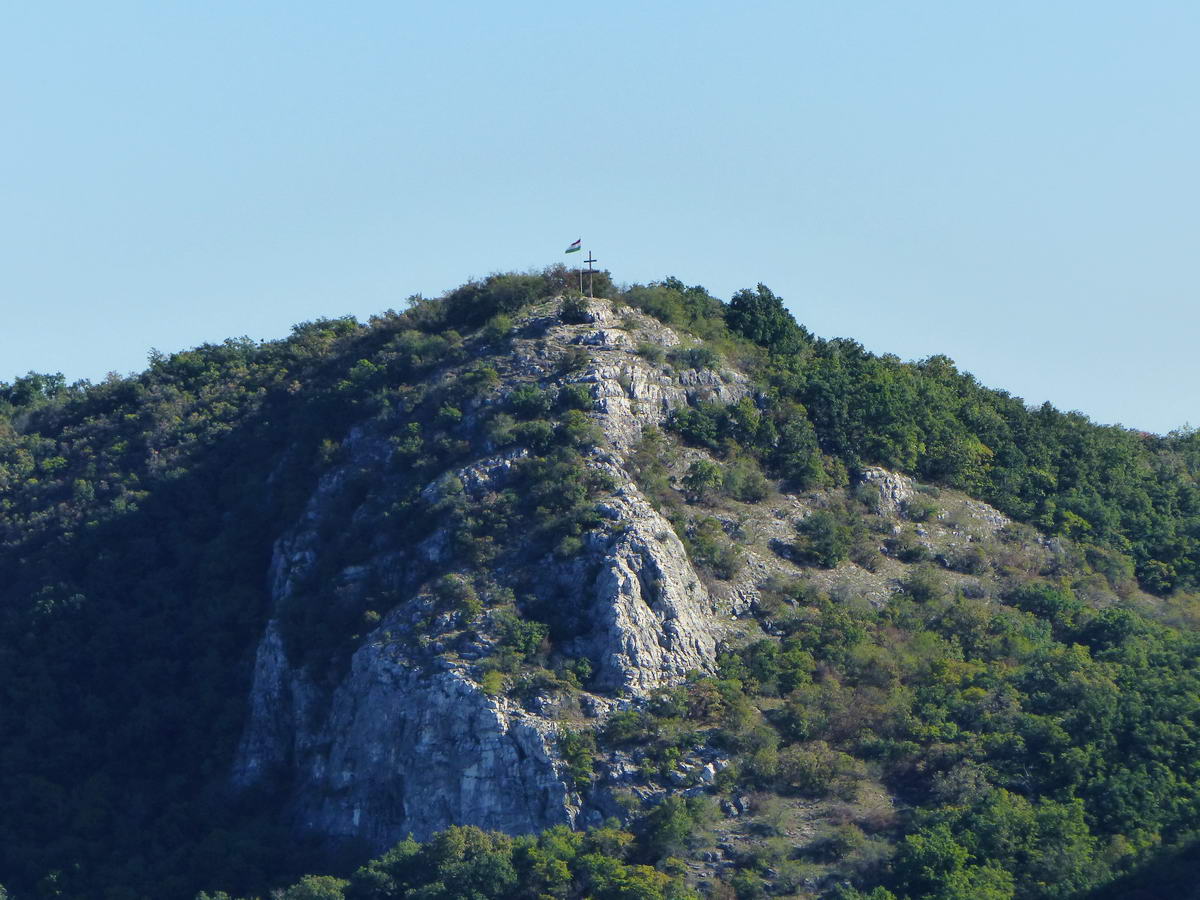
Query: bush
(695,358)
(573,360)
(924,584)
(825,540)
(537,435)
(577,430)
(522,636)
(569,546)
(702,478)
(744,481)
(476,302)
(317,887)
(971,560)
(907,547)
(652,353)
(575,311)
(457,593)
(528,401)
(578,750)
(817,770)
(575,396)
(492,682)
(920,509)
(677,824)
(710,547)
(497,329)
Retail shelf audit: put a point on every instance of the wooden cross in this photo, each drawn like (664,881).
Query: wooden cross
(589,261)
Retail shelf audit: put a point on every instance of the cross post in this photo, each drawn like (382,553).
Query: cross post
(589,261)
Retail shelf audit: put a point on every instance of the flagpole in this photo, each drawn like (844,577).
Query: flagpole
(575,248)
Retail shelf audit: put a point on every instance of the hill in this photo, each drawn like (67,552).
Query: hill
(677,593)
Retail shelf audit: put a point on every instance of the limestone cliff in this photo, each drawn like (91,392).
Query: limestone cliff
(402,738)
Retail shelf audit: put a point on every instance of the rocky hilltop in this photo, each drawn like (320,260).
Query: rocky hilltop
(644,595)
(405,739)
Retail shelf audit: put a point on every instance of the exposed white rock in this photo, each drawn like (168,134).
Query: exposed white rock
(895,489)
(400,750)
(402,739)
(653,621)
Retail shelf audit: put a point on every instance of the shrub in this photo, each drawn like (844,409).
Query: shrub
(476,382)
(702,478)
(492,682)
(497,328)
(924,584)
(652,353)
(574,359)
(448,416)
(575,396)
(825,540)
(522,636)
(920,509)
(906,547)
(695,358)
(710,547)
(865,552)
(537,435)
(577,430)
(569,546)
(971,560)
(476,302)
(578,750)
(528,401)
(744,481)
(677,824)
(317,887)
(457,593)
(575,310)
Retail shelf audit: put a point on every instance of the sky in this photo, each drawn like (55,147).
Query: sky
(1012,185)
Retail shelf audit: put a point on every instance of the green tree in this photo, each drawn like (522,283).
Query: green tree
(317,887)
(761,316)
(702,479)
(931,864)
(825,538)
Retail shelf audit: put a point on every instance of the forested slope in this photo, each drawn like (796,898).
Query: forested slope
(1017,716)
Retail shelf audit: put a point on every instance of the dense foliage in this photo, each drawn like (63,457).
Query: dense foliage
(1124,490)
(136,521)
(470,864)
(1051,749)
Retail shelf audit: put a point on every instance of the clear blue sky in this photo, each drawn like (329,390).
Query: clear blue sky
(1015,185)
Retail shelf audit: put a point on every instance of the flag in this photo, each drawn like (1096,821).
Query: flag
(575,246)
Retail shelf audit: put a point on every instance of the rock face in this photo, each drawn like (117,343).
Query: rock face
(402,738)
(895,490)
(395,750)
(652,620)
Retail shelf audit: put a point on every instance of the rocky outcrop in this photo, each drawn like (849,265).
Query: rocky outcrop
(653,621)
(402,738)
(397,750)
(895,490)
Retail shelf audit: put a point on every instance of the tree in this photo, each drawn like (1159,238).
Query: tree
(826,540)
(761,316)
(317,887)
(702,478)
(931,864)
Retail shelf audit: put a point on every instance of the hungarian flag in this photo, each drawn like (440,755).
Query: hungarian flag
(575,246)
